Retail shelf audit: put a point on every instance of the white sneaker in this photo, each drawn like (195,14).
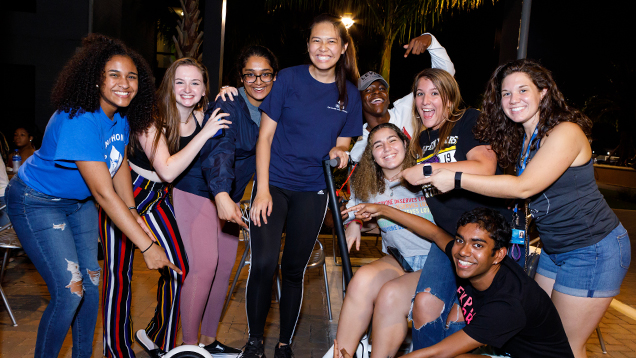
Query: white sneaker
(364,348)
(146,343)
(329,353)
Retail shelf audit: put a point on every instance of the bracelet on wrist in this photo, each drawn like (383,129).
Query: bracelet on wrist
(458,180)
(148,248)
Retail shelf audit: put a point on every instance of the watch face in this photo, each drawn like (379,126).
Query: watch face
(428,170)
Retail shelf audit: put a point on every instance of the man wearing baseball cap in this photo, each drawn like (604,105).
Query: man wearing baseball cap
(374,91)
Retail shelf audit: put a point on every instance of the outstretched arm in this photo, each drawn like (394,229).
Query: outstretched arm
(418,225)
(439,56)
(456,345)
(101,185)
(565,146)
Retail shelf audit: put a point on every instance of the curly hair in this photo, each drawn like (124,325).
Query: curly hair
(491,221)
(368,179)
(505,136)
(167,115)
(76,90)
(449,92)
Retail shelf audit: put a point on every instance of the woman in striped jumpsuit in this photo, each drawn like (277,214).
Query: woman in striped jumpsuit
(155,161)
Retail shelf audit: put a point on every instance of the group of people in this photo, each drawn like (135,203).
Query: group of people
(168,167)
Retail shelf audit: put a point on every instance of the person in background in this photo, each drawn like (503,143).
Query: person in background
(4,180)
(503,307)
(156,159)
(586,250)
(23,140)
(374,92)
(210,228)
(103,94)
(310,115)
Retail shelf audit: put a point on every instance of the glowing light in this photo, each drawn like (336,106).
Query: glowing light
(347,20)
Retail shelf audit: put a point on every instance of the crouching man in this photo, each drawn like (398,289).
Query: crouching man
(502,306)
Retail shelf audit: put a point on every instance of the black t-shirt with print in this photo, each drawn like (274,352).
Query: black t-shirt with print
(448,207)
(514,314)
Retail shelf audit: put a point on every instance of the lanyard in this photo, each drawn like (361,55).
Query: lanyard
(523,159)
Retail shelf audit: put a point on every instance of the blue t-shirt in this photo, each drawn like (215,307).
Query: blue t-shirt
(309,122)
(89,137)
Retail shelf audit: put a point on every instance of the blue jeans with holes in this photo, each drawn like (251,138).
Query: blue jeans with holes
(60,236)
(438,278)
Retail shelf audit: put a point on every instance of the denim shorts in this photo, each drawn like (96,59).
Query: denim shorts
(416,262)
(592,271)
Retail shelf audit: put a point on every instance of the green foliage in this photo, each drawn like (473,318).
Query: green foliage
(392,19)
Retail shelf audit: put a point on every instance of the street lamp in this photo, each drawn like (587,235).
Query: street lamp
(347,20)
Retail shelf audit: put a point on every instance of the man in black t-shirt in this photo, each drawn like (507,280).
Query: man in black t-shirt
(502,306)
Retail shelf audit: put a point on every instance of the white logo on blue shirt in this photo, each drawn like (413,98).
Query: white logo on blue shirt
(115,160)
(337,108)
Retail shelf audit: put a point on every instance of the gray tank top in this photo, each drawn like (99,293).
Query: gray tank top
(572,213)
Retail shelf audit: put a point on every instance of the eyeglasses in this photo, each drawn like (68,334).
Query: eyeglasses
(251,78)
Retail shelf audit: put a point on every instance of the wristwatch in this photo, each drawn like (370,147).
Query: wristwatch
(428,170)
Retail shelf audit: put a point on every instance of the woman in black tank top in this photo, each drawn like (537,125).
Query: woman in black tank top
(586,250)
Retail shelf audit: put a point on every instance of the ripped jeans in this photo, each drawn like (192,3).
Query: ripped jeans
(438,278)
(60,236)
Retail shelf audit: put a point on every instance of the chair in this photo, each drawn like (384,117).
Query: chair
(317,259)
(245,213)
(8,241)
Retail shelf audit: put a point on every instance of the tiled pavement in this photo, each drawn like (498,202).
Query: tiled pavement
(28,297)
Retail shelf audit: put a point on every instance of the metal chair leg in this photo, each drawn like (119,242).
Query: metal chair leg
(324,270)
(6,304)
(236,276)
(278,284)
(600,339)
(4,264)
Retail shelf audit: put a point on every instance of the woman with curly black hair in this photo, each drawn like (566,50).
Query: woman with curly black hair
(586,250)
(103,93)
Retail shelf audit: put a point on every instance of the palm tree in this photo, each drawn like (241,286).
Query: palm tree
(391,19)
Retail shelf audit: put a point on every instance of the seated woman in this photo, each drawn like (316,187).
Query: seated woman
(384,157)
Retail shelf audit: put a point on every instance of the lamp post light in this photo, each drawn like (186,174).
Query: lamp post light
(347,20)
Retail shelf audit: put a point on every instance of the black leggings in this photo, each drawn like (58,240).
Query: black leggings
(303,212)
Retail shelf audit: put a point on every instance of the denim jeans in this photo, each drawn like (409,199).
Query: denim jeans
(60,236)
(437,277)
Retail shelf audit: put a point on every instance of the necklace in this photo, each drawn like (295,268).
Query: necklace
(187,119)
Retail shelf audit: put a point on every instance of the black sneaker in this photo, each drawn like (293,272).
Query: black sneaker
(218,349)
(253,349)
(283,351)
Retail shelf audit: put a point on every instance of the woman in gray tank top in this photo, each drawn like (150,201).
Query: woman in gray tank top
(586,249)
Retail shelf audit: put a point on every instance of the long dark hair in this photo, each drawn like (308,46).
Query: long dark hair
(368,178)
(347,65)
(505,136)
(258,51)
(76,88)
(449,92)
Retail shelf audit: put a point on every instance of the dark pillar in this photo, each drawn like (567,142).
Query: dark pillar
(213,40)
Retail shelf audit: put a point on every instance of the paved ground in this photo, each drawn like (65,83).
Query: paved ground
(28,297)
